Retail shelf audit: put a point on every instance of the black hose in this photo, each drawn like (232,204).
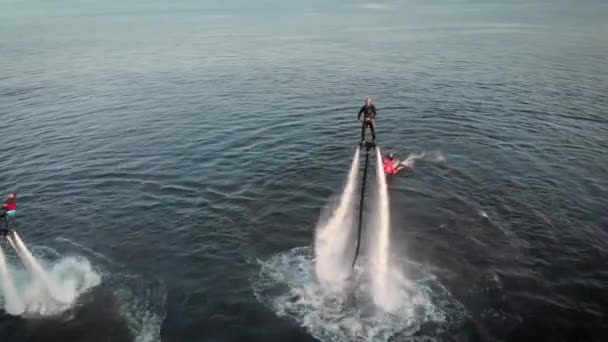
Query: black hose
(361,206)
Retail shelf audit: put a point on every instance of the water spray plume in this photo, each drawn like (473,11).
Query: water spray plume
(44,292)
(433,156)
(380,302)
(412,158)
(12,302)
(332,237)
(36,269)
(361,200)
(380,257)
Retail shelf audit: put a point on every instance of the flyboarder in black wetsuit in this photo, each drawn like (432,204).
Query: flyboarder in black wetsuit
(369,115)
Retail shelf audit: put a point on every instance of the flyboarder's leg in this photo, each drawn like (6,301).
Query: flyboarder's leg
(363,124)
(371,126)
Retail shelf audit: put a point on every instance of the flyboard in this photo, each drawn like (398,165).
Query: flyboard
(367,146)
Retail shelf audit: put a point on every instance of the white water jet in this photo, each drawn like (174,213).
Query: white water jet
(332,237)
(34,266)
(382,295)
(53,290)
(12,302)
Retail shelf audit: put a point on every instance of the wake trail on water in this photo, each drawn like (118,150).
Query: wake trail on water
(333,236)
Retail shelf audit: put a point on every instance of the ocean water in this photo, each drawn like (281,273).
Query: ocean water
(187,148)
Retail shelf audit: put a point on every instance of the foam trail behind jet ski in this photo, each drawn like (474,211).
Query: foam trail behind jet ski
(333,237)
(12,303)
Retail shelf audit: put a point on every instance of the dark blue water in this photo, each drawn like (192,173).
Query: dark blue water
(181,146)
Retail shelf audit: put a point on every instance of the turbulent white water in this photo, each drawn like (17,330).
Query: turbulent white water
(333,236)
(286,284)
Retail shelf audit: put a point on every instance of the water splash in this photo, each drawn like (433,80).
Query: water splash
(286,284)
(35,268)
(42,292)
(141,298)
(333,236)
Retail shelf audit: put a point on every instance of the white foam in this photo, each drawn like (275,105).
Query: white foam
(142,319)
(287,285)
